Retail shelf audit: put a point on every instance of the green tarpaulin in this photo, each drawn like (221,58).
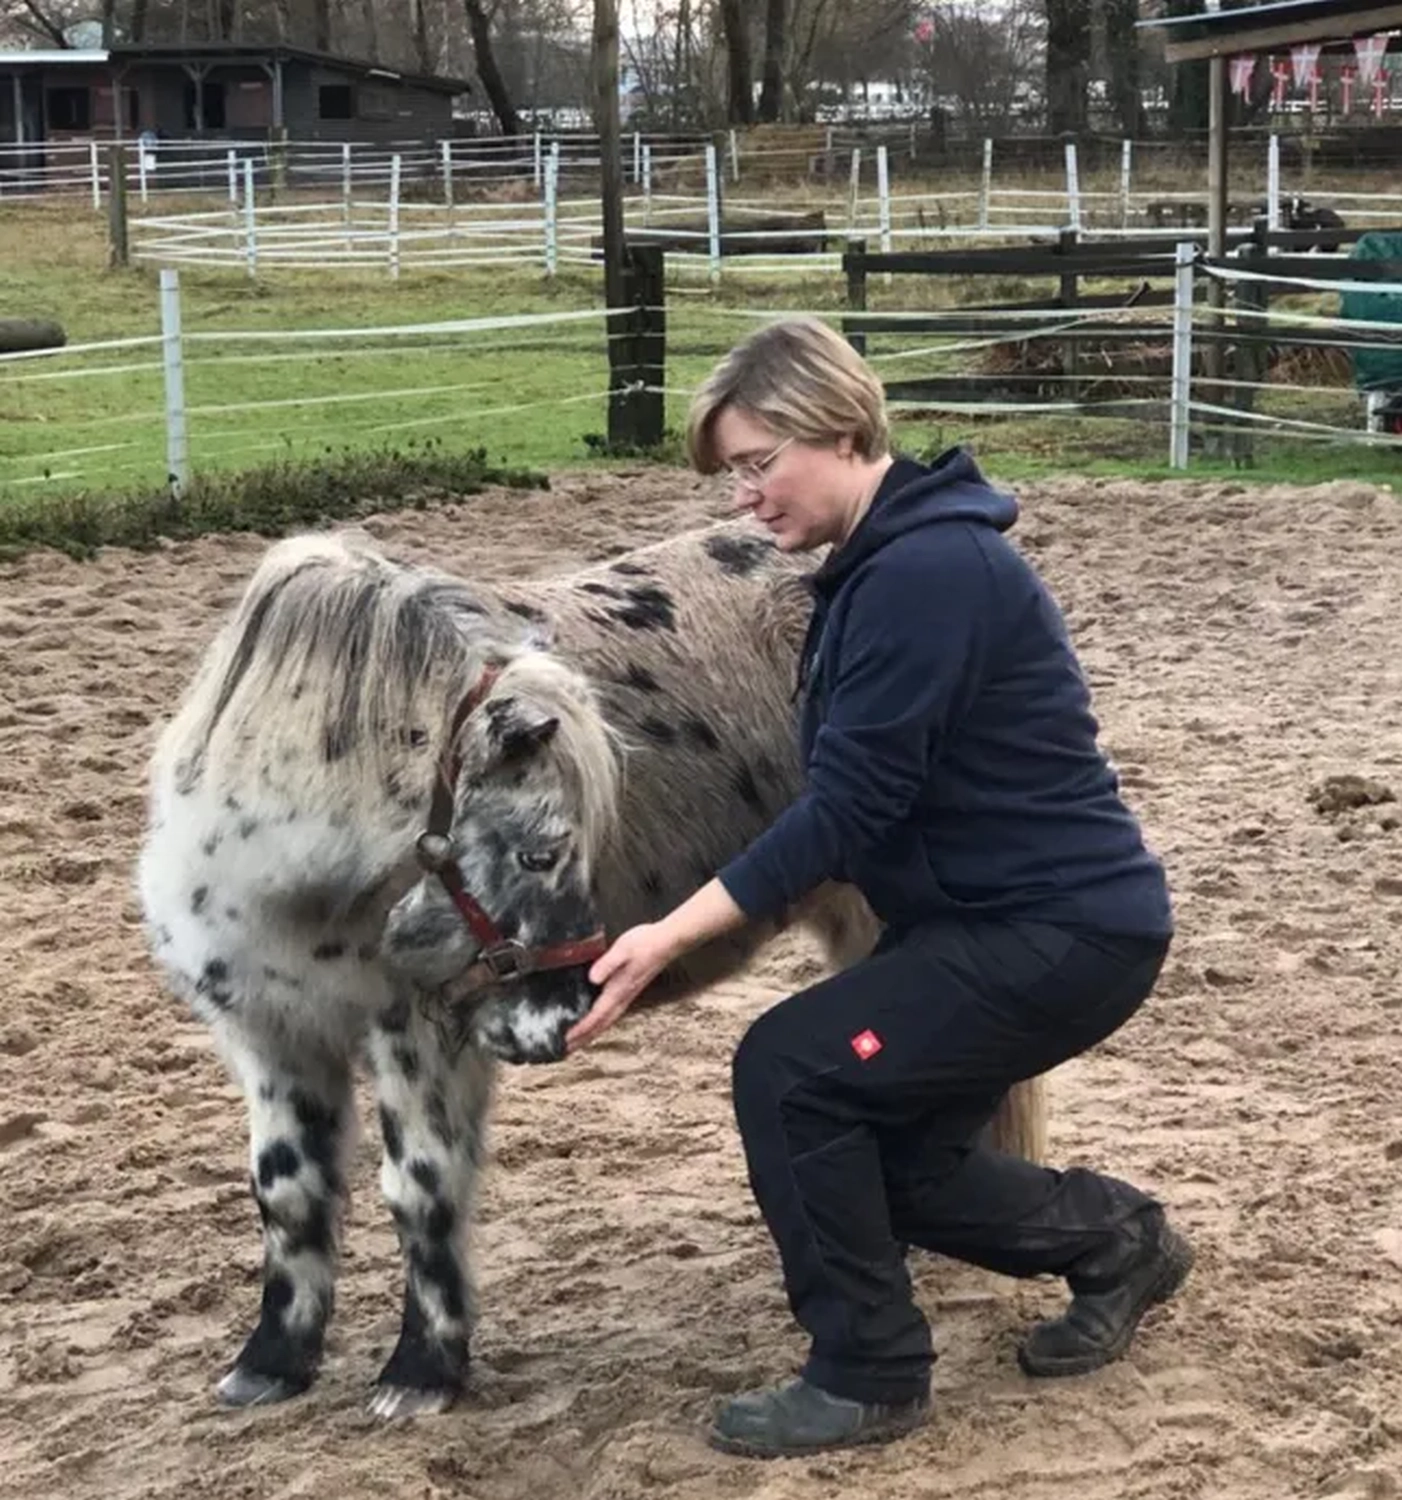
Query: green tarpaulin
(1376,368)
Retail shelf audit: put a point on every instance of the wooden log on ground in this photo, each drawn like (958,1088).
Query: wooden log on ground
(19,334)
(801,234)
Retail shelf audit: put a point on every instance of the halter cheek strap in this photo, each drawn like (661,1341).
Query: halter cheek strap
(501,958)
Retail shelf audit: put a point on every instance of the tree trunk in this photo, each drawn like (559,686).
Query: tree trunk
(372,29)
(1190,99)
(1122,57)
(109,22)
(422,52)
(138,21)
(487,71)
(738,68)
(771,90)
(606,122)
(1068,64)
(321,25)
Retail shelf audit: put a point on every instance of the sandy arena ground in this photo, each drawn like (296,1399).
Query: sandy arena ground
(1238,644)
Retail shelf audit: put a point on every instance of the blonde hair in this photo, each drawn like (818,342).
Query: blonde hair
(802,380)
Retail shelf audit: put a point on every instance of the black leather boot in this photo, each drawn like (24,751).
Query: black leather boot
(798,1418)
(1110,1293)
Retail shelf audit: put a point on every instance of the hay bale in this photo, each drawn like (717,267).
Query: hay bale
(20,334)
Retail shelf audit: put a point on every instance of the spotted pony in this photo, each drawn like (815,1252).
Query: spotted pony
(392,816)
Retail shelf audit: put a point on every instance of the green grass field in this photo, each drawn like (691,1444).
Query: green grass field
(526,397)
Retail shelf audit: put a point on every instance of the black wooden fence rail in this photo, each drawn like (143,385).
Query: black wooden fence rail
(1243,332)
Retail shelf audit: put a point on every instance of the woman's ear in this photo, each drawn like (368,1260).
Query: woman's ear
(846,445)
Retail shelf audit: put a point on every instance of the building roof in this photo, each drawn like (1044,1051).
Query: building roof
(1279,24)
(217,52)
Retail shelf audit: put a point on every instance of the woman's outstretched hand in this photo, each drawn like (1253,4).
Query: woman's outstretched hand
(633,961)
(639,955)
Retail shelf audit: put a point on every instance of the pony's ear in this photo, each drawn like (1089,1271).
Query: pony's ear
(518,728)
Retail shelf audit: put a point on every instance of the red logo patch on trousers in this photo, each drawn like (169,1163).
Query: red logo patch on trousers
(866,1044)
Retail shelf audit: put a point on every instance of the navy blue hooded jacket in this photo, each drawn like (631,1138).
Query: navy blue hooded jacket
(952,763)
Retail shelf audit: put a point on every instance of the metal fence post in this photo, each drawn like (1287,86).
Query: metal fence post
(1073,187)
(1180,408)
(552,189)
(883,204)
(1273,183)
(712,211)
(250,219)
(1126,166)
(394,217)
(985,191)
(173,362)
(95,168)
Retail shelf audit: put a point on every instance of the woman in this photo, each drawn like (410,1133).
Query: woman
(953,776)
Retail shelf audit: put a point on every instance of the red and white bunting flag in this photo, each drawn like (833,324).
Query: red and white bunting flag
(1280,71)
(1302,61)
(1241,71)
(1370,50)
(1347,74)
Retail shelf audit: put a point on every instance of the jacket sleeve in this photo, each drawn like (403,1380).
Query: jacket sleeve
(912,648)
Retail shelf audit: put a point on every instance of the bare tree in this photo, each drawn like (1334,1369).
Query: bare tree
(739,72)
(771,88)
(418,20)
(47,23)
(1123,73)
(835,46)
(479,20)
(1068,64)
(980,64)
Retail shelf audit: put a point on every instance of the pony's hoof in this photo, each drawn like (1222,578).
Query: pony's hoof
(240,1388)
(391,1402)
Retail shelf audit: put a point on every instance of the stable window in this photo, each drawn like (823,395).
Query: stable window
(376,103)
(68,109)
(336,101)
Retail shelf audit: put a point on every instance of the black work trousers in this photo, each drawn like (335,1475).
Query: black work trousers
(863,1101)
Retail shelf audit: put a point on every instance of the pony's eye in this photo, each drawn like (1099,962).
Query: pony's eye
(538,860)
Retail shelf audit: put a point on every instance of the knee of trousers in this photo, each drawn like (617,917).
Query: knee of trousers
(757,1068)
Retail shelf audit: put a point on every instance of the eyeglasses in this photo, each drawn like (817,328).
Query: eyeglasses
(752,476)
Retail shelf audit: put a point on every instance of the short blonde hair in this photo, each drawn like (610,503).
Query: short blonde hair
(802,380)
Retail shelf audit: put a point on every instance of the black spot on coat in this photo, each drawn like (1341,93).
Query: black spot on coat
(640,678)
(739,555)
(525,611)
(743,780)
(392,1132)
(700,734)
(647,607)
(278,1160)
(659,731)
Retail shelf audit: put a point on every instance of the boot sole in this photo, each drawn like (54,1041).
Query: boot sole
(1178,1262)
(878,1432)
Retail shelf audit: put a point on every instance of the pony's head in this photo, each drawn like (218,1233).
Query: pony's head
(502,919)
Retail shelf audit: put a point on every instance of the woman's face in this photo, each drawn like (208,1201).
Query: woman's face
(804,493)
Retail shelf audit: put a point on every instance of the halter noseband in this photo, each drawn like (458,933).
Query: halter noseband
(501,958)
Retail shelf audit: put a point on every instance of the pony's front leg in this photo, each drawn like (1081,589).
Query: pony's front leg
(301,1119)
(434,1096)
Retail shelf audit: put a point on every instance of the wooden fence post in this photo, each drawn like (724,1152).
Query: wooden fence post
(1252,352)
(116,204)
(854,263)
(638,352)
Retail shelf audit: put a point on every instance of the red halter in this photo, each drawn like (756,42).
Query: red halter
(501,958)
